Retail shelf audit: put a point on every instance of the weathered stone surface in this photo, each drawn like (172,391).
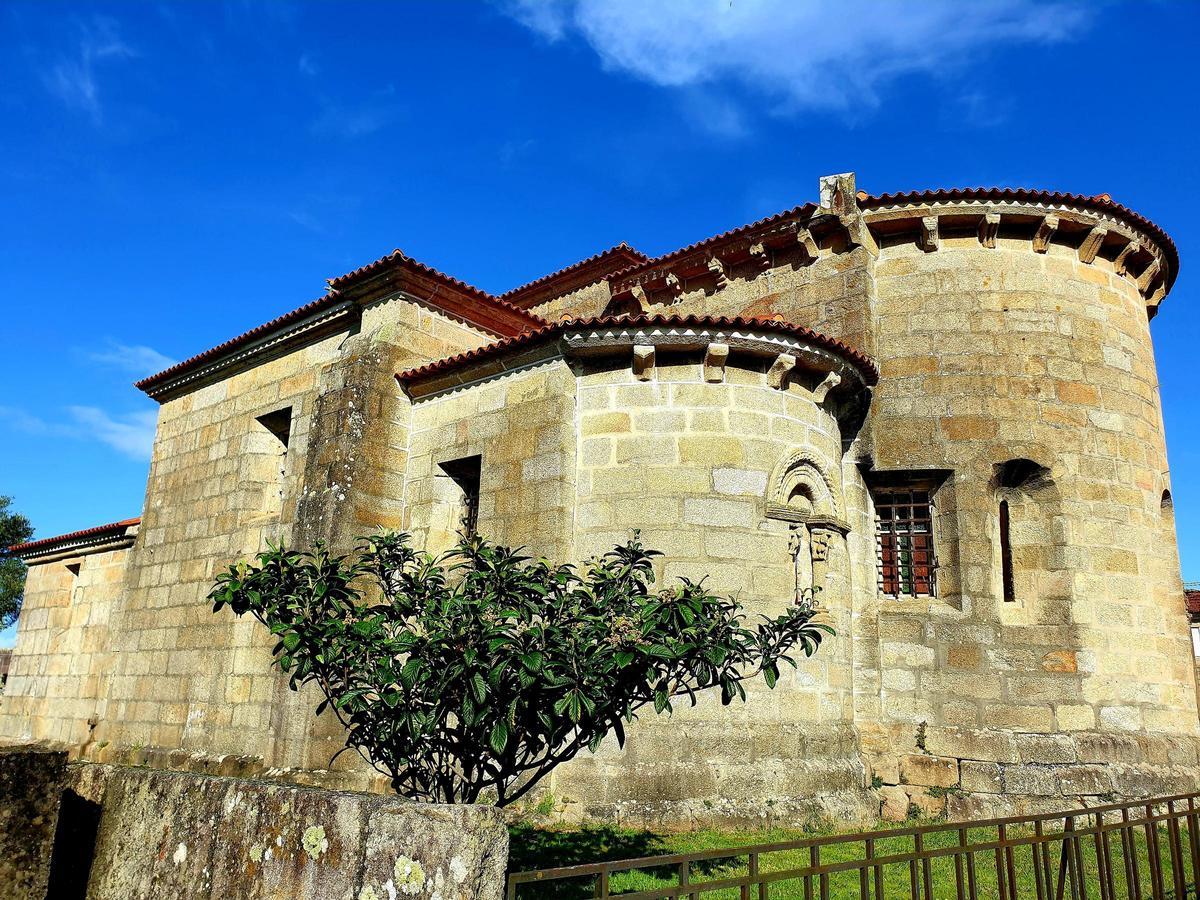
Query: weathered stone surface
(1020,350)
(930,771)
(168,835)
(31,783)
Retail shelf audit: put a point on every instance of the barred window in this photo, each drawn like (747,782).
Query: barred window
(904,540)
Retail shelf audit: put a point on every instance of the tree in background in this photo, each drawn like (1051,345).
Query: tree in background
(482,670)
(14,529)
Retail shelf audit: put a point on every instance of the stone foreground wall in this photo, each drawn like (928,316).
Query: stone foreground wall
(154,834)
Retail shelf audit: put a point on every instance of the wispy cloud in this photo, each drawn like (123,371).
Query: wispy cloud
(133,358)
(130,434)
(798,54)
(359,119)
(307,66)
(73,78)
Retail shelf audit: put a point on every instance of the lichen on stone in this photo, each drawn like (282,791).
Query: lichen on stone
(314,841)
(368,893)
(458,870)
(256,853)
(180,856)
(410,877)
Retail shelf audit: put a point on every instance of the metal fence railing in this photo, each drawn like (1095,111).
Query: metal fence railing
(1148,849)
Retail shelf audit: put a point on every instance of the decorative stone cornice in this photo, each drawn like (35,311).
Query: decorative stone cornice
(220,364)
(1094,226)
(714,339)
(102,538)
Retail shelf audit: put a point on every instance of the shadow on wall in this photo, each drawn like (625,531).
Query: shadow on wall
(74,847)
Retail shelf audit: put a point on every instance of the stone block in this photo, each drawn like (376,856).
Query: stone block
(1084,780)
(1030,779)
(930,771)
(894,806)
(980,777)
(1045,748)
(969,743)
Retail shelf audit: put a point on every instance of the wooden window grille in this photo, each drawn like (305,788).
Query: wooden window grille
(904,541)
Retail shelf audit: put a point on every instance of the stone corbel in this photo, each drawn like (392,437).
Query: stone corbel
(807,245)
(715,357)
(929,239)
(1091,244)
(781,368)
(673,284)
(717,268)
(989,226)
(832,380)
(641,298)
(1121,263)
(643,362)
(1045,234)
(1148,275)
(759,255)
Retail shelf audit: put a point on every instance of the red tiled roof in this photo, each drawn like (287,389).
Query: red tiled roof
(577,275)
(796,212)
(491,307)
(1100,202)
(19,549)
(462,300)
(860,360)
(1192,601)
(246,337)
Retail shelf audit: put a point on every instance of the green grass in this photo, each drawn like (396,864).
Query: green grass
(534,848)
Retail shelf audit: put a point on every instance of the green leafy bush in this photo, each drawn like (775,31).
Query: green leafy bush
(484,668)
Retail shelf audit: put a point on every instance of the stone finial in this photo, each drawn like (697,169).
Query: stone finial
(643,362)
(832,380)
(989,226)
(837,193)
(758,253)
(930,240)
(1121,263)
(641,298)
(715,357)
(778,374)
(717,268)
(1045,233)
(808,246)
(1091,244)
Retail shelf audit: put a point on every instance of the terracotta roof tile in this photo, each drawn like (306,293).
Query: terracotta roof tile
(797,212)
(1192,601)
(114,527)
(1099,202)
(555,283)
(860,360)
(307,309)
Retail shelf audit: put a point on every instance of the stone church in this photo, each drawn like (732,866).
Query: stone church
(940,408)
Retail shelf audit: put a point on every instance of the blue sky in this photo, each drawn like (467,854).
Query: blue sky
(172,174)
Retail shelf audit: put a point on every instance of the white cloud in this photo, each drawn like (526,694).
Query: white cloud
(134,358)
(798,54)
(73,80)
(131,434)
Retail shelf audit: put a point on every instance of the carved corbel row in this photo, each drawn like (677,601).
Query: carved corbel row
(808,246)
(759,255)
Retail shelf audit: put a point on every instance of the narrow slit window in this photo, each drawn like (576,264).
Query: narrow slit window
(1006,558)
(278,425)
(466,474)
(904,541)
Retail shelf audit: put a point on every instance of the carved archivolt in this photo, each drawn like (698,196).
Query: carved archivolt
(799,483)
